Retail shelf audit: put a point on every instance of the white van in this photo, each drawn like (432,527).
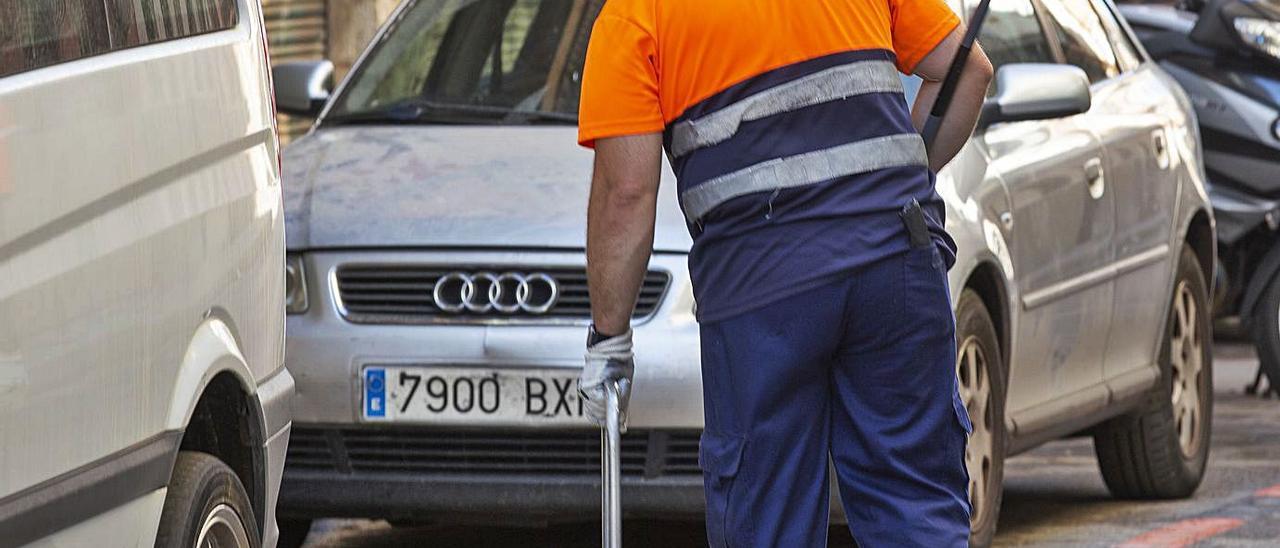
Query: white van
(143,396)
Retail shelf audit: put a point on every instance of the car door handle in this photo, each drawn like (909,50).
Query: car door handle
(1096,177)
(1160,144)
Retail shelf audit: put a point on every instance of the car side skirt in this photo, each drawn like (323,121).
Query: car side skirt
(1080,410)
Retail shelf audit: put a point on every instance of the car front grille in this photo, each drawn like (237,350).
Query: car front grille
(405,294)
(414,450)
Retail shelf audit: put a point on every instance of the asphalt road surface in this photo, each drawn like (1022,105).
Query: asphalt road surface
(1054,496)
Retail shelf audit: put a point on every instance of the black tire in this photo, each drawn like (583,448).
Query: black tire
(1266,334)
(293,532)
(1141,454)
(974,326)
(200,485)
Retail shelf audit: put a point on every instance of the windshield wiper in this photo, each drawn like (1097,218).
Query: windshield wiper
(419,110)
(413,110)
(543,116)
(392,114)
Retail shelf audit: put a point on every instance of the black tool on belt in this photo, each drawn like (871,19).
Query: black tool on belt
(917,228)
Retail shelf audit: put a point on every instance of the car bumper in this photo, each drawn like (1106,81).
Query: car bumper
(274,395)
(565,500)
(415,473)
(326,354)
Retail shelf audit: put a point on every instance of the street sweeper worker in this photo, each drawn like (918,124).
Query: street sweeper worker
(819,259)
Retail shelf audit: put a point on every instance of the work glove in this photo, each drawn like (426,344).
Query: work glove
(609,360)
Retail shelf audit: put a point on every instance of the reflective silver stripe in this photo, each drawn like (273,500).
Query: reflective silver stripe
(829,85)
(905,149)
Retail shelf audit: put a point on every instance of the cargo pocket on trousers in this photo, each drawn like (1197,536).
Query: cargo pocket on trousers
(720,457)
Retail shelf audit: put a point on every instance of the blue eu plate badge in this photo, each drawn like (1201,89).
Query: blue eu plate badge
(375,393)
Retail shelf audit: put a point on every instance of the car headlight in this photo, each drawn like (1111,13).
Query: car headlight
(295,285)
(1261,34)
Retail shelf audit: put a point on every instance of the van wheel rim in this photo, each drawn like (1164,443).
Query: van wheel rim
(975,391)
(1186,356)
(223,528)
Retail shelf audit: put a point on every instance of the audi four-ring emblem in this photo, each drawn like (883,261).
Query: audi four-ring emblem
(507,293)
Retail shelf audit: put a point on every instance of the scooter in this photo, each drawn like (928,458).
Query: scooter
(1226,56)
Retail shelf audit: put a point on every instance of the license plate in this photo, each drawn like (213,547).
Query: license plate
(472,396)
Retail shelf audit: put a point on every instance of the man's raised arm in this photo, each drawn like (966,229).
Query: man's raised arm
(960,119)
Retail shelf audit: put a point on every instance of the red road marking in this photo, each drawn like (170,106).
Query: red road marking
(1182,533)
(1273,491)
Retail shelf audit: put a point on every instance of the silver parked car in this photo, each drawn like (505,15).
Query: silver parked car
(435,220)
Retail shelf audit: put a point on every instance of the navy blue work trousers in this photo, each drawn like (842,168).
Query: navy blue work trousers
(860,371)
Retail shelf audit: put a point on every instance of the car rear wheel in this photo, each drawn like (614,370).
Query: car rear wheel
(1160,449)
(981,380)
(206,506)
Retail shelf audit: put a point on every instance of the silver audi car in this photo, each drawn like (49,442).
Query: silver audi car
(435,220)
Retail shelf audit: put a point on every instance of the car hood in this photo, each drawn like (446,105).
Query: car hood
(448,186)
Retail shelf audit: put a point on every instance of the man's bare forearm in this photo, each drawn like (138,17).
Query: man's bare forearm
(620,219)
(959,121)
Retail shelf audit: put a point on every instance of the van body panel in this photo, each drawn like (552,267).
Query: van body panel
(213,350)
(128,524)
(139,206)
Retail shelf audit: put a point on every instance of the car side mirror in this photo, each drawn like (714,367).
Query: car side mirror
(302,87)
(1037,91)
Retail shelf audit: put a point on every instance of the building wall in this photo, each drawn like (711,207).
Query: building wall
(296,31)
(352,24)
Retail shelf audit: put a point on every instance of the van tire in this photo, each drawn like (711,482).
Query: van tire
(200,486)
(1141,454)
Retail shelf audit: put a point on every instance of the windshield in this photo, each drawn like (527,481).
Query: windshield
(474,61)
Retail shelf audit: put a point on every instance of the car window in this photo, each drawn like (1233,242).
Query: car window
(520,59)
(40,33)
(477,61)
(1012,33)
(140,22)
(1084,41)
(514,38)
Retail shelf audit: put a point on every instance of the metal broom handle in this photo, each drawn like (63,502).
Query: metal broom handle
(611,470)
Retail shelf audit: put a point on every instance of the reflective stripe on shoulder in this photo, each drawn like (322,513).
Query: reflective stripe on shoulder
(832,84)
(813,167)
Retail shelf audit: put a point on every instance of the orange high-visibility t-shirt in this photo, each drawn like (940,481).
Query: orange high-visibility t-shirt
(649,60)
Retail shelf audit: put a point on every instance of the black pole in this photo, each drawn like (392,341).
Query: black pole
(952,80)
